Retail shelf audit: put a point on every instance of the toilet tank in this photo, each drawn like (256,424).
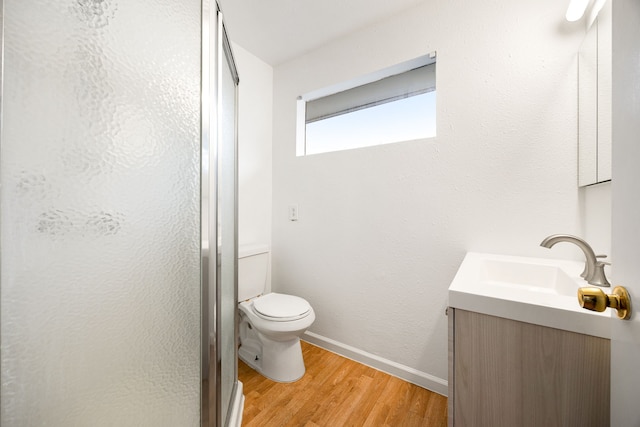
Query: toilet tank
(253,263)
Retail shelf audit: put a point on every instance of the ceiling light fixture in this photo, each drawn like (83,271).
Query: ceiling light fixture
(576,9)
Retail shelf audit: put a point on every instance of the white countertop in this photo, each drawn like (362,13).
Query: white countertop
(531,290)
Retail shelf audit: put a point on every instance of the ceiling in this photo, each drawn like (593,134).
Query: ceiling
(279,30)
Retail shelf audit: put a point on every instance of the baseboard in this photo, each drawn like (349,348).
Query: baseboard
(235,416)
(419,378)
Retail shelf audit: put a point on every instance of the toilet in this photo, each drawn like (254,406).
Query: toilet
(270,323)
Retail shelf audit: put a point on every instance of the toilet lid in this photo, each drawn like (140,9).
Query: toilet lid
(281,307)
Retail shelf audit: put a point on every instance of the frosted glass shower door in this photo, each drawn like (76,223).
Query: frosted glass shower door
(220,186)
(100,213)
(227,220)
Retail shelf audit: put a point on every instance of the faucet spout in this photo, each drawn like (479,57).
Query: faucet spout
(591,260)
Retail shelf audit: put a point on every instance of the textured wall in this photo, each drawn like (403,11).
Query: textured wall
(255,123)
(255,119)
(382,230)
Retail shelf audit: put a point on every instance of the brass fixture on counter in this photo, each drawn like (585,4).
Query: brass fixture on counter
(594,299)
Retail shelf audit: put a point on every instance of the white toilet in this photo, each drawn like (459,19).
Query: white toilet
(270,324)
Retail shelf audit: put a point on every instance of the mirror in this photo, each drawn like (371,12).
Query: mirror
(594,102)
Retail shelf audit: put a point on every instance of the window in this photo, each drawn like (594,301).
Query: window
(392,105)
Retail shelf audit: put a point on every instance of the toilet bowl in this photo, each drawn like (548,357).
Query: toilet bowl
(270,323)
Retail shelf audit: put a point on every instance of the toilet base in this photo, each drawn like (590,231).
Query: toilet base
(280,361)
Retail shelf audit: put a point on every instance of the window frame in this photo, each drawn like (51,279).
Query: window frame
(301,103)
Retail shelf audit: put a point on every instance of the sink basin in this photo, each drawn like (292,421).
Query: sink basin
(533,290)
(527,276)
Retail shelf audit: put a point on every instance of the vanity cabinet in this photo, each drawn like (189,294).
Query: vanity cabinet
(504,372)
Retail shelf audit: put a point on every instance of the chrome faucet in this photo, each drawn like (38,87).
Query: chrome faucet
(594,270)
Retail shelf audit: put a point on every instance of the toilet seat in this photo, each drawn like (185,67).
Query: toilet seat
(280,307)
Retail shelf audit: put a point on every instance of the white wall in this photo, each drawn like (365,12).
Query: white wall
(382,230)
(255,119)
(254,136)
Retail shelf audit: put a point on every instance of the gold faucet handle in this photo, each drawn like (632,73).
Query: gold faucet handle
(594,299)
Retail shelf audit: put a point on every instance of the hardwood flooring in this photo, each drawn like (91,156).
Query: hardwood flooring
(336,392)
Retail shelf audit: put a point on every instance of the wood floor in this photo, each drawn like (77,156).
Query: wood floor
(336,392)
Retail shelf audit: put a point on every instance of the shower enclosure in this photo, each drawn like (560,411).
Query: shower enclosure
(117,214)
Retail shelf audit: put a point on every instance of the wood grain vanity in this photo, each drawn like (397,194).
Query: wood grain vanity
(504,372)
